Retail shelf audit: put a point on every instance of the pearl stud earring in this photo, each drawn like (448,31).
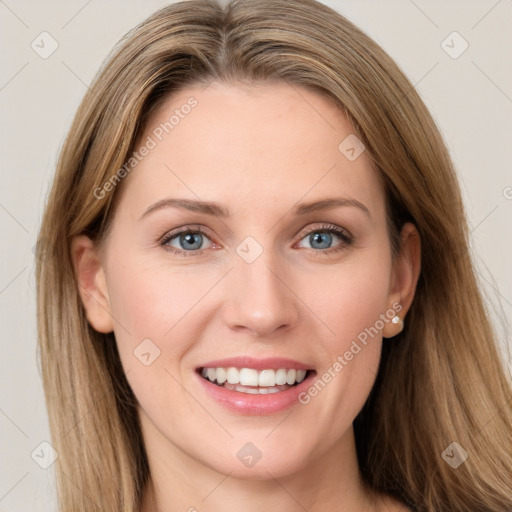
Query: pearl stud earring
(399,322)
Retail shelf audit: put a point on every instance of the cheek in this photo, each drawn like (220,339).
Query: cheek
(150,299)
(350,305)
(351,359)
(350,302)
(152,308)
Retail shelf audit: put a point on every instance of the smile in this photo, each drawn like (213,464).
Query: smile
(251,386)
(252,381)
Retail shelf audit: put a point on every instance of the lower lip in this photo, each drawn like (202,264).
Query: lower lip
(247,403)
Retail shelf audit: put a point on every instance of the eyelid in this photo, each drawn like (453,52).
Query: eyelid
(324,226)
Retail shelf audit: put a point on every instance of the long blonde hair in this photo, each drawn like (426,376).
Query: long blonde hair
(440,381)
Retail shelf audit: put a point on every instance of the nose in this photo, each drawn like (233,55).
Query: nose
(259,297)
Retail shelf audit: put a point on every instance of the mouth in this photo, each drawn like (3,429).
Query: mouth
(252,381)
(250,386)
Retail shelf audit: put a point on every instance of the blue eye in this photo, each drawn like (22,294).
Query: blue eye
(321,238)
(189,242)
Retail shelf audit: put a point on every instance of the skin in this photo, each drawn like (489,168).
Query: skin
(258,150)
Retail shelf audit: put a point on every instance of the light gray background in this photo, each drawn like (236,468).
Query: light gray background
(470,98)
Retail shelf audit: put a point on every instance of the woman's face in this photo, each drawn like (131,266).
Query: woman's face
(271,279)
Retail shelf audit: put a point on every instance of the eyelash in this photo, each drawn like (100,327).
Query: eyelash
(346,239)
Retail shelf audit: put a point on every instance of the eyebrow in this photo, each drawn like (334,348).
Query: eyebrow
(217,210)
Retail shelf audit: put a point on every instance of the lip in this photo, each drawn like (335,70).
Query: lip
(251,404)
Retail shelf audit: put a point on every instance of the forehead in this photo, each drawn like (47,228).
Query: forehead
(251,144)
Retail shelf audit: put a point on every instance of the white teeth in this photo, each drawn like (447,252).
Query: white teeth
(221,375)
(267,379)
(248,377)
(301,374)
(281,376)
(252,391)
(255,390)
(290,378)
(232,376)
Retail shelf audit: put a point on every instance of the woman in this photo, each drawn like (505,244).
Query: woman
(199,349)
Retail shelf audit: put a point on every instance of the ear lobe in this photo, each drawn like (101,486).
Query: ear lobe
(91,283)
(405,275)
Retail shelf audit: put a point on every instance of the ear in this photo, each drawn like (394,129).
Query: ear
(91,283)
(404,277)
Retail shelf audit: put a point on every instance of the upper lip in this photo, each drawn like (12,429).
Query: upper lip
(270,363)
